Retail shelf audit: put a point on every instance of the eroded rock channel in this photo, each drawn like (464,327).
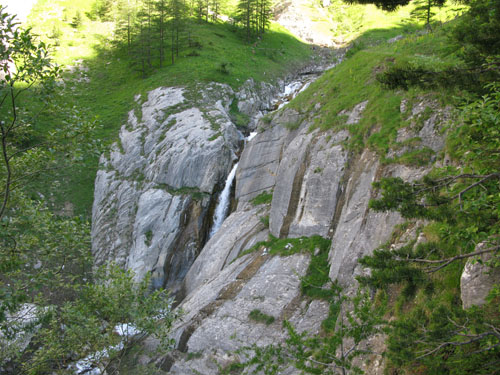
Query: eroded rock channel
(156,194)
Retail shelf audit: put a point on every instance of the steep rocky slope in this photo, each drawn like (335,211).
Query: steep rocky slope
(154,192)
(155,195)
(318,188)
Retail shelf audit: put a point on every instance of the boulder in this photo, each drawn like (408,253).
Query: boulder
(478,278)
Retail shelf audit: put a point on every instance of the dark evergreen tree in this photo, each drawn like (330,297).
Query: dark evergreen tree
(245,16)
(177,25)
(142,45)
(125,20)
(424,10)
(161,18)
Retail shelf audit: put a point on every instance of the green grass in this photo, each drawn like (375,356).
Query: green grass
(263,198)
(290,246)
(258,316)
(354,81)
(112,85)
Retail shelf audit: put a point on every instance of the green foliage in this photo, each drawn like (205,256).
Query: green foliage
(263,198)
(315,284)
(149,237)
(407,75)
(45,257)
(76,22)
(424,10)
(241,120)
(254,16)
(87,326)
(260,317)
(35,245)
(265,220)
(478,33)
(436,335)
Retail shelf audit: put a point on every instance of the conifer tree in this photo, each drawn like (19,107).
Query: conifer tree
(126,12)
(245,12)
(178,12)
(423,10)
(161,18)
(141,52)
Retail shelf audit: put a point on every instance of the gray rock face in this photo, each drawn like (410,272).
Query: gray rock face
(174,148)
(253,99)
(240,231)
(423,130)
(478,278)
(355,114)
(219,317)
(306,23)
(357,230)
(257,174)
(308,185)
(154,191)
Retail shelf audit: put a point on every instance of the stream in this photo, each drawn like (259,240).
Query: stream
(290,91)
(127,331)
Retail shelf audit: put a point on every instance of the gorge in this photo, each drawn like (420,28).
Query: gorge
(260,205)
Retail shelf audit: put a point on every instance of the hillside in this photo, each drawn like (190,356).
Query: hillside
(358,189)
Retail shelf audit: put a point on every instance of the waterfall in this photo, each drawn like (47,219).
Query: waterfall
(223,203)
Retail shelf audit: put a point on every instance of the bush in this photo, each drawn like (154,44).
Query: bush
(260,317)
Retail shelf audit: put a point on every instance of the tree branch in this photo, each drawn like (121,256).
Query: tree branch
(444,262)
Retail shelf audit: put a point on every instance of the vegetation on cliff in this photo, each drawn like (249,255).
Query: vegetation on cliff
(44,256)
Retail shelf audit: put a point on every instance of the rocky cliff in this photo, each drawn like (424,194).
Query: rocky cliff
(155,191)
(155,195)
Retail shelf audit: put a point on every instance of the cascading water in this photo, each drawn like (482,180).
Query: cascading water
(223,202)
(290,91)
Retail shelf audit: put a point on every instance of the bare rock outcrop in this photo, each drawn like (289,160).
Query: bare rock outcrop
(478,278)
(154,191)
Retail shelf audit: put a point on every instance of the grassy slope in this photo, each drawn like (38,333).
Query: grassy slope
(354,81)
(112,85)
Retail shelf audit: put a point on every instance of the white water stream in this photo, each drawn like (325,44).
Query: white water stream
(222,208)
(290,91)
(223,202)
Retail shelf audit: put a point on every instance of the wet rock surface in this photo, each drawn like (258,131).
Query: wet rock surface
(158,222)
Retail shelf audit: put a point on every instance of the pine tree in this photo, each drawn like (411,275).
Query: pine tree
(161,17)
(423,10)
(178,12)
(245,15)
(142,39)
(126,13)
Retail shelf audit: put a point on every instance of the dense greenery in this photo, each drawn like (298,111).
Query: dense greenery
(255,17)
(459,203)
(53,310)
(106,83)
(462,203)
